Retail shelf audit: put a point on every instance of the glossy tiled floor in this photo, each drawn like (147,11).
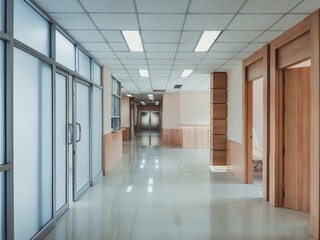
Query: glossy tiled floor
(153,193)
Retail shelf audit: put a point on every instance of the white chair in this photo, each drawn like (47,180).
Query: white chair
(257,151)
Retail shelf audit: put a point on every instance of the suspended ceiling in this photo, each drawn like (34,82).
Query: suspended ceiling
(170,30)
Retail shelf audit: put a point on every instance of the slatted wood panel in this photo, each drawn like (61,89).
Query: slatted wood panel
(297,139)
(219,115)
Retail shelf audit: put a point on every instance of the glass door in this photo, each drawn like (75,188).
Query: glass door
(61,143)
(81,138)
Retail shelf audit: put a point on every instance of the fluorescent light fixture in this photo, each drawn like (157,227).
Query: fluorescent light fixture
(129,189)
(150,181)
(150,189)
(141,166)
(129,95)
(133,40)
(143,161)
(150,95)
(186,73)
(157,166)
(206,40)
(157,103)
(144,73)
(156,161)
(143,103)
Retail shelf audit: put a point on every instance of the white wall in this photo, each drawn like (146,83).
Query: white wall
(106,82)
(195,108)
(125,112)
(258,108)
(171,111)
(235,104)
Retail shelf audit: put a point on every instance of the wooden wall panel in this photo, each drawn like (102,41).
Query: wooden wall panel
(220,81)
(188,136)
(126,135)
(202,137)
(255,70)
(220,127)
(219,157)
(219,142)
(220,95)
(112,150)
(235,161)
(171,137)
(220,111)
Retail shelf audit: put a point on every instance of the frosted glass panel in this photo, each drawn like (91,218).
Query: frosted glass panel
(2,15)
(65,51)
(61,141)
(97,73)
(2,104)
(84,65)
(96,132)
(82,163)
(32,144)
(2,206)
(27,24)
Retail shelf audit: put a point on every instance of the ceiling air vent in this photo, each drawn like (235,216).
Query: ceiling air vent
(159,91)
(177,86)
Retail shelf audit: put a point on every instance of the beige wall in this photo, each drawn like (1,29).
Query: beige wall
(171,111)
(106,82)
(185,109)
(235,104)
(125,112)
(195,108)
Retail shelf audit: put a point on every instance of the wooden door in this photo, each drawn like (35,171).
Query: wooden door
(297,139)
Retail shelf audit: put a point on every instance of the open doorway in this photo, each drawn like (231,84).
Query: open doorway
(150,121)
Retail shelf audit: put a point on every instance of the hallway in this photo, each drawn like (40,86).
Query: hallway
(163,193)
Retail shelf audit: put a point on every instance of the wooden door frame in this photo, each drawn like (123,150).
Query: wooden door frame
(295,45)
(254,67)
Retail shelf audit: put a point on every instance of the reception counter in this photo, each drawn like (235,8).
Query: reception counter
(112,149)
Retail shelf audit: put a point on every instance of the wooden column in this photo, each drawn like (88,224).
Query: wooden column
(219,115)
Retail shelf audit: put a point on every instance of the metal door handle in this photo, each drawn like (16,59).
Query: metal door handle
(70,133)
(79,132)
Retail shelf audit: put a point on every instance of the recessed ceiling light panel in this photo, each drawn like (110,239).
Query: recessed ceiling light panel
(206,40)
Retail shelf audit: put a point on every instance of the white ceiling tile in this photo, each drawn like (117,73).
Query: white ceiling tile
(253,21)
(158,55)
(110,21)
(163,6)
(119,47)
(108,5)
(214,61)
(238,36)
(190,55)
(113,36)
(288,21)
(184,66)
(186,61)
(226,68)
(114,67)
(253,47)
(96,46)
(270,6)
(73,20)
(160,47)
(190,36)
(220,54)
(160,61)
(268,36)
(133,61)
(207,21)
(60,6)
(227,47)
(202,71)
(131,55)
(101,55)
(208,67)
(86,35)
(243,55)
(161,36)
(138,66)
(215,6)
(234,62)
(307,6)
(161,21)
(121,71)
(186,47)
(164,67)
(110,61)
